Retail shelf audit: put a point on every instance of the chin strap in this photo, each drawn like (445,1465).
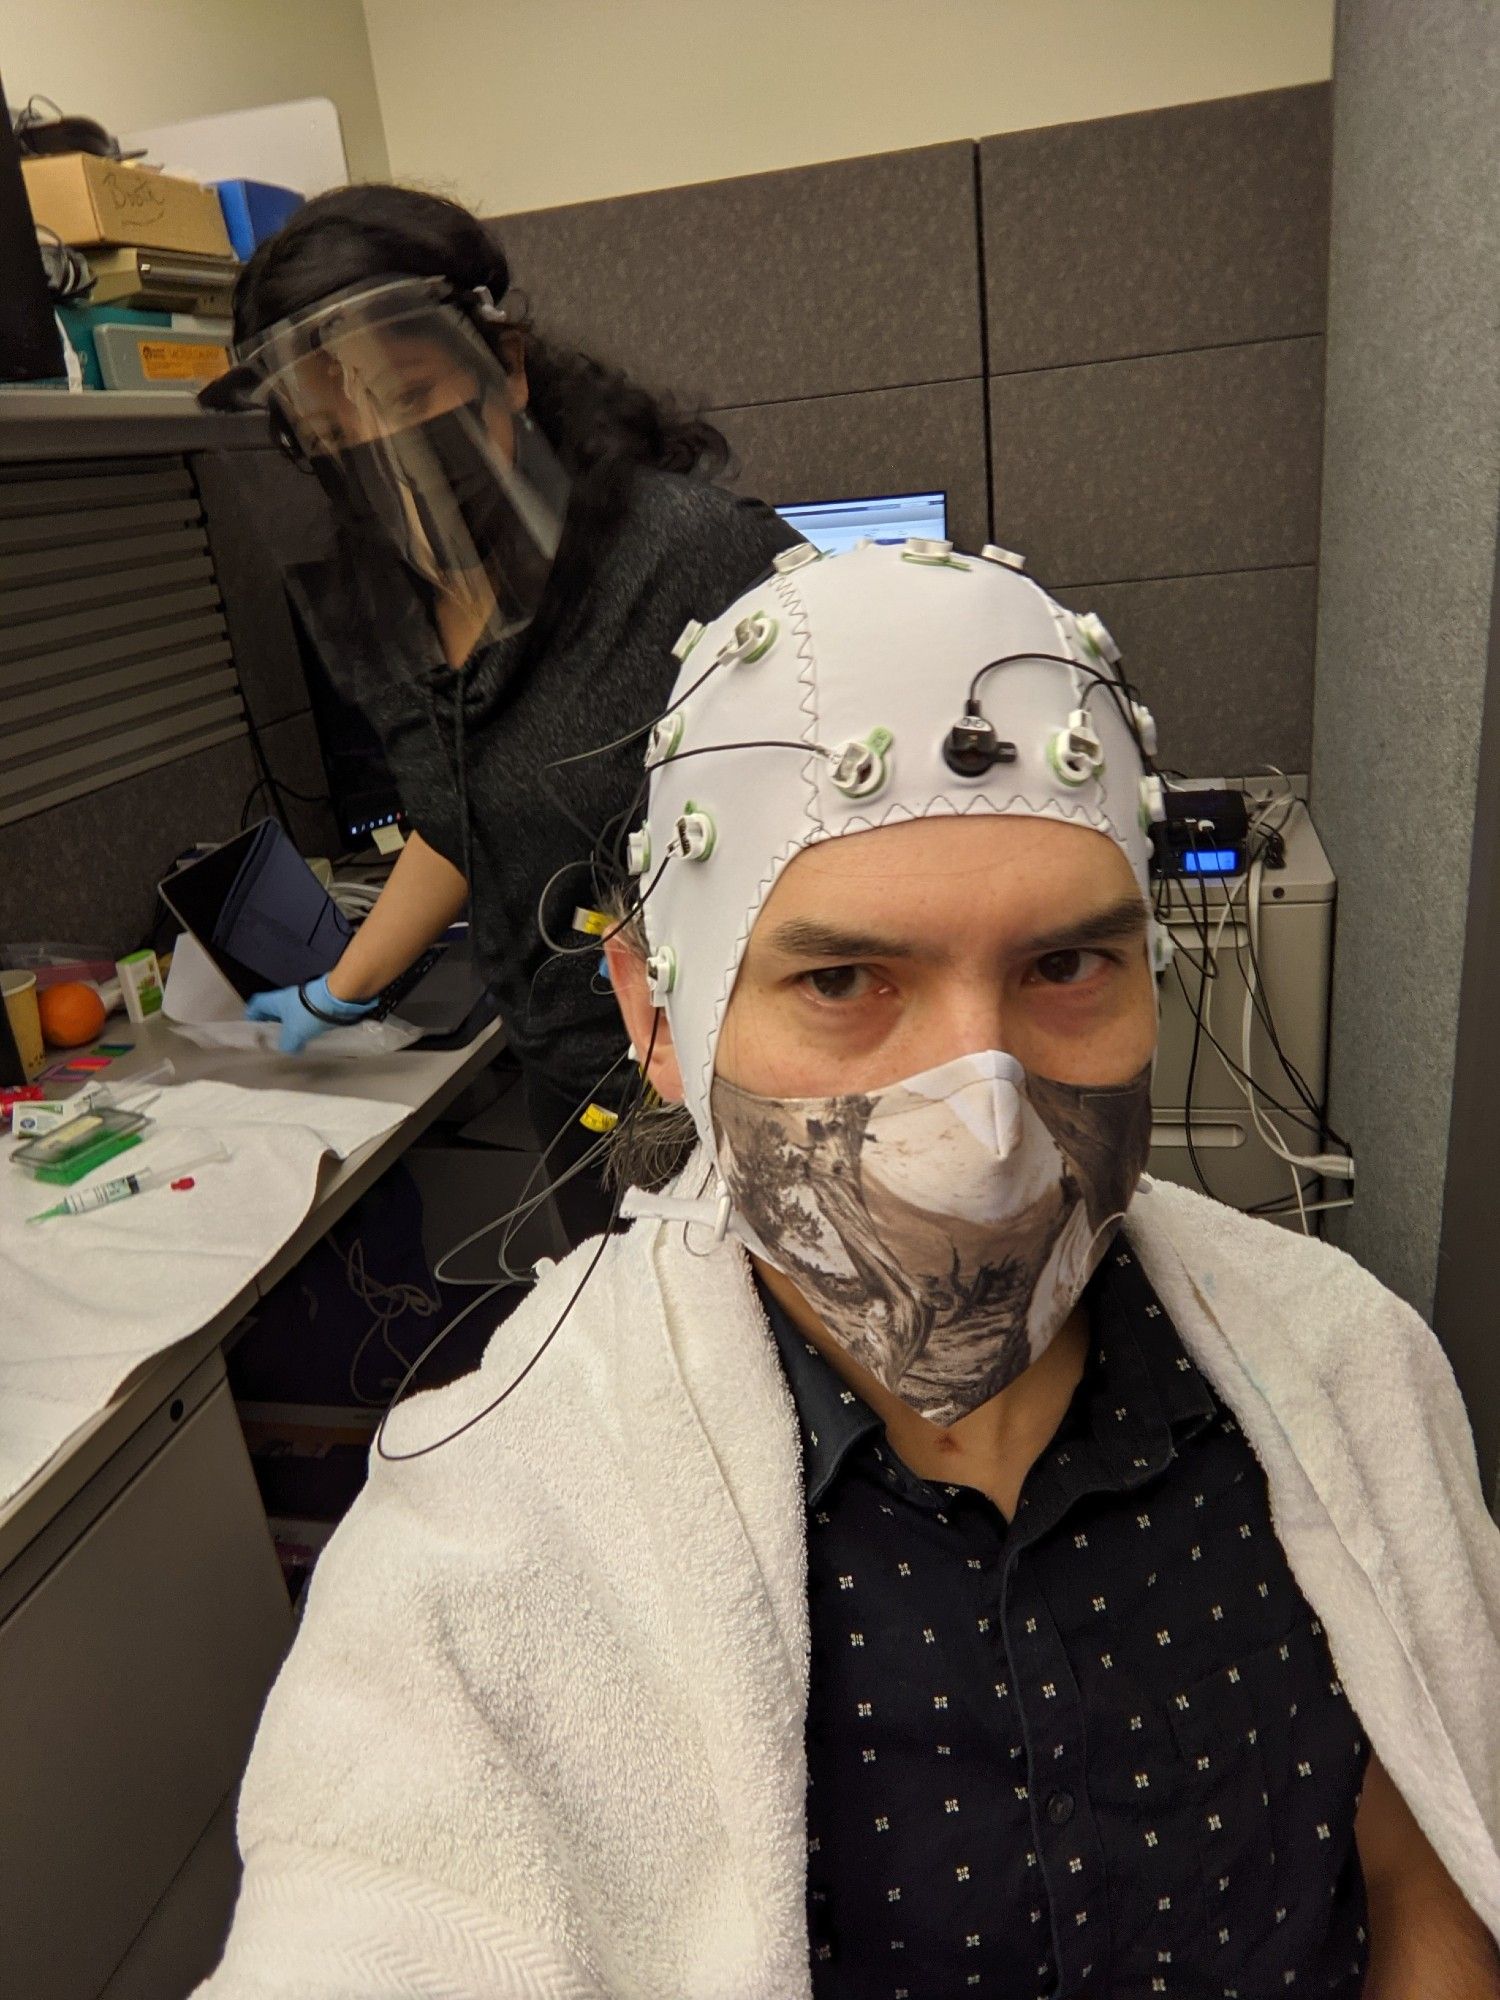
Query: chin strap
(713,1211)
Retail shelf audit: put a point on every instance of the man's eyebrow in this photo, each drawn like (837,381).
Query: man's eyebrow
(1125,919)
(800,937)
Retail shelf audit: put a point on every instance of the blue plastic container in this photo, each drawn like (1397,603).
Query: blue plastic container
(254,210)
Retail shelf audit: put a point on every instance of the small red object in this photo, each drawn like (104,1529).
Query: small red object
(87,1063)
(184,1184)
(12,1094)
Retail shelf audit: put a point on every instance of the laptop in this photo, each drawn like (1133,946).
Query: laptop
(266,921)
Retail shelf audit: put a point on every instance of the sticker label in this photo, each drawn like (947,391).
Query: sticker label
(597,1119)
(593,923)
(182,361)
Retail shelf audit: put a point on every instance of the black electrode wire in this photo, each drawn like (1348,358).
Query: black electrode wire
(1316,1122)
(1298,1118)
(596,944)
(1262,1007)
(1293,1073)
(526,1204)
(1120,691)
(525,1208)
(1260,1001)
(545,771)
(751,743)
(402,1457)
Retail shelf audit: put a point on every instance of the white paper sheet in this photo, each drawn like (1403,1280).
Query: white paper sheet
(202,1005)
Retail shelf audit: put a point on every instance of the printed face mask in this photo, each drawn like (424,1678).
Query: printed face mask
(942,1228)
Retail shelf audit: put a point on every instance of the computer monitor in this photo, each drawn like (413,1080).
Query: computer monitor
(831,525)
(360,786)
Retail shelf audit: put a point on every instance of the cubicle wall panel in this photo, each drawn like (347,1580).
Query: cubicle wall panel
(858,274)
(1225,663)
(86,872)
(1200,225)
(113,654)
(1163,467)
(917,440)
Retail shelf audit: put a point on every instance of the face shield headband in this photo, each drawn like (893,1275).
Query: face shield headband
(410,423)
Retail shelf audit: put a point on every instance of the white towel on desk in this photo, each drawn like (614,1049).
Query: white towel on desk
(85,1299)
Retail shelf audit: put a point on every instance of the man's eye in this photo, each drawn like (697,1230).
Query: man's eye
(1069,968)
(838,982)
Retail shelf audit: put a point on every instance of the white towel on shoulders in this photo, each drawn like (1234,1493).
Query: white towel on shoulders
(541,1736)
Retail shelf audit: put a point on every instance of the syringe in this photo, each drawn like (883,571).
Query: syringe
(142,1181)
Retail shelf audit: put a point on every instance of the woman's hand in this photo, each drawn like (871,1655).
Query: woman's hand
(305,1011)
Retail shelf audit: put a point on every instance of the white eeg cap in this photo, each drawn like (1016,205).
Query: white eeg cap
(862,662)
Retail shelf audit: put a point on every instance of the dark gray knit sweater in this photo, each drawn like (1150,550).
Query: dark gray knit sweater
(470,745)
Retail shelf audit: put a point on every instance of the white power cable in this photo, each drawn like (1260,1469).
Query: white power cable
(386,1303)
(355,899)
(1332,1166)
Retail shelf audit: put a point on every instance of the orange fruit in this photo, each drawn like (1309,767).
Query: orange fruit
(72,1014)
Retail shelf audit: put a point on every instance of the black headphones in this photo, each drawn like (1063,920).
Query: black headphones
(38,135)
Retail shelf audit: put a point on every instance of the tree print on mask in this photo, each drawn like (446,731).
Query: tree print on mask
(941,1228)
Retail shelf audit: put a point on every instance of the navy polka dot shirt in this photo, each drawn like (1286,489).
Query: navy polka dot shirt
(1101,1750)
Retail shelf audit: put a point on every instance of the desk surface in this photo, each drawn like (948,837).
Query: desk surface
(425,1080)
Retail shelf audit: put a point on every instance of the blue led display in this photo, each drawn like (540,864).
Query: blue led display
(1211,861)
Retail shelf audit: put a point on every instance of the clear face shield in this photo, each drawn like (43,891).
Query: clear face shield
(412,426)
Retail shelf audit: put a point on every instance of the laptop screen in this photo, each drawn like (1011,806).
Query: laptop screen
(831,525)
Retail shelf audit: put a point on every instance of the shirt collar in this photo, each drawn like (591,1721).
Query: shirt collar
(1139,1394)
(833,1418)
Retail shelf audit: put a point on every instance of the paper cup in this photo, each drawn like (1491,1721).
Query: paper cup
(19,989)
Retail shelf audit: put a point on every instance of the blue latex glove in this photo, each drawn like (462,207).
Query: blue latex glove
(298,1022)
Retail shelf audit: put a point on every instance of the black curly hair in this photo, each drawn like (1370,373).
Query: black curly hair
(602,425)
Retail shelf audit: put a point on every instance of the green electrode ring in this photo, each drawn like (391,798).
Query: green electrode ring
(696,832)
(863,767)
(932,553)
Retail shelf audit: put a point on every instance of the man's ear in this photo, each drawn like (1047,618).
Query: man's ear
(644,1021)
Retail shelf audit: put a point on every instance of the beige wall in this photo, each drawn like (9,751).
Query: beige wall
(137,63)
(515,104)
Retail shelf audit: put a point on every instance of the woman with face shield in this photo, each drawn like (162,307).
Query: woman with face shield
(521,536)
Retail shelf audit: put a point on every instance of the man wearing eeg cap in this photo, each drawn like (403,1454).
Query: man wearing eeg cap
(1128,1621)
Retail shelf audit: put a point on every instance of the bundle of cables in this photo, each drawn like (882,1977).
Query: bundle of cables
(1240,918)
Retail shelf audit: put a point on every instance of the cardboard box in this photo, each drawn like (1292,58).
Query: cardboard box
(90,201)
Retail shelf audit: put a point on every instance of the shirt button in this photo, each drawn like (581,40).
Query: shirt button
(1060,1808)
